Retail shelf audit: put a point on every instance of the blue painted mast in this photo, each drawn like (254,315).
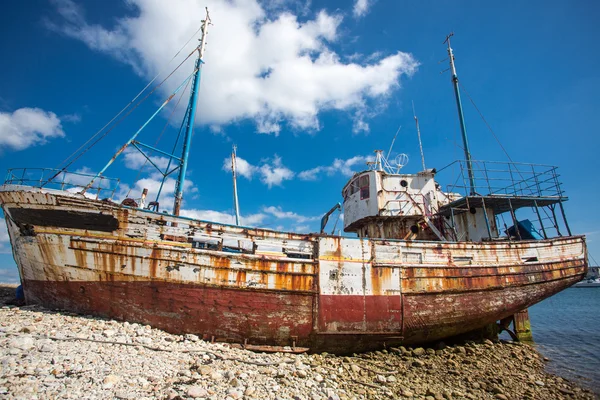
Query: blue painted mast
(191,114)
(461,117)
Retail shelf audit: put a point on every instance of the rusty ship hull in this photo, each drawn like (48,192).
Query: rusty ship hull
(260,287)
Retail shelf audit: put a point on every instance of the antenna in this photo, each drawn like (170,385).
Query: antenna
(419,135)
(235,195)
(393,140)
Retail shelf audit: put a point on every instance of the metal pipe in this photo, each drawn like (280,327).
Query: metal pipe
(461,117)
(515,222)
(487,222)
(537,211)
(453,223)
(157,150)
(555,221)
(419,136)
(562,211)
(122,149)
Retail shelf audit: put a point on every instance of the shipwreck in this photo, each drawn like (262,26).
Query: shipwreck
(427,262)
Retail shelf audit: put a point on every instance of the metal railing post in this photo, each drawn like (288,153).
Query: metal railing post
(537,211)
(515,222)
(562,210)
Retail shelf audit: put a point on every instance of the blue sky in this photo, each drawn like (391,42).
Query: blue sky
(306,90)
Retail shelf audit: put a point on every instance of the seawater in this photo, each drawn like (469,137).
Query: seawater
(566,329)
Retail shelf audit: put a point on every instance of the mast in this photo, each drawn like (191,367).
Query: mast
(191,114)
(419,135)
(235,195)
(461,117)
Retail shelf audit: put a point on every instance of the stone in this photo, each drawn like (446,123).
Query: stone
(419,351)
(215,376)
(380,379)
(196,391)
(319,378)
(566,391)
(501,396)
(191,337)
(301,373)
(418,363)
(109,333)
(539,383)
(205,370)
(355,368)
(21,343)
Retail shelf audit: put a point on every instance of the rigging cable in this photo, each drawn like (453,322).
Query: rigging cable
(485,121)
(115,124)
(135,98)
(124,108)
(161,135)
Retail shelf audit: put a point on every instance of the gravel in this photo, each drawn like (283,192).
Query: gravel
(49,354)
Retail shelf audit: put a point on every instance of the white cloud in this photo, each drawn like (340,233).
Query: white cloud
(27,127)
(345,167)
(361,7)
(222,217)
(152,183)
(272,172)
(275,173)
(9,275)
(277,212)
(302,229)
(243,167)
(262,62)
(4,238)
(135,160)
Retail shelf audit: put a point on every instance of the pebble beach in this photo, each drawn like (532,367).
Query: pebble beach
(52,354)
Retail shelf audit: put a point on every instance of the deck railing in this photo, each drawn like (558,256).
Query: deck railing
(511,179)
(62,180)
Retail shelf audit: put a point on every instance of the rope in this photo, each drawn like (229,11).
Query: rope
(485,121)
(118,122)
(592,257)
(161,135)
(134,99)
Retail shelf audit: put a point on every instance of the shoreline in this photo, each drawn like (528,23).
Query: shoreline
(48,354)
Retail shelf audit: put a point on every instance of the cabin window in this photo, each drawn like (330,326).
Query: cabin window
(353,187)
(364,187)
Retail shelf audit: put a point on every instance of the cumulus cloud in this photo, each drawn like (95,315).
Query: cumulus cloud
(135,160)
(361,7)
(262,63)
(27,127)
(277,212)
(345,167)
(152,182)
(272,172)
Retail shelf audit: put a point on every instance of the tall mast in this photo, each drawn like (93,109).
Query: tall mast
(461,117)
(419,135)
(191,114)
(235,194)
